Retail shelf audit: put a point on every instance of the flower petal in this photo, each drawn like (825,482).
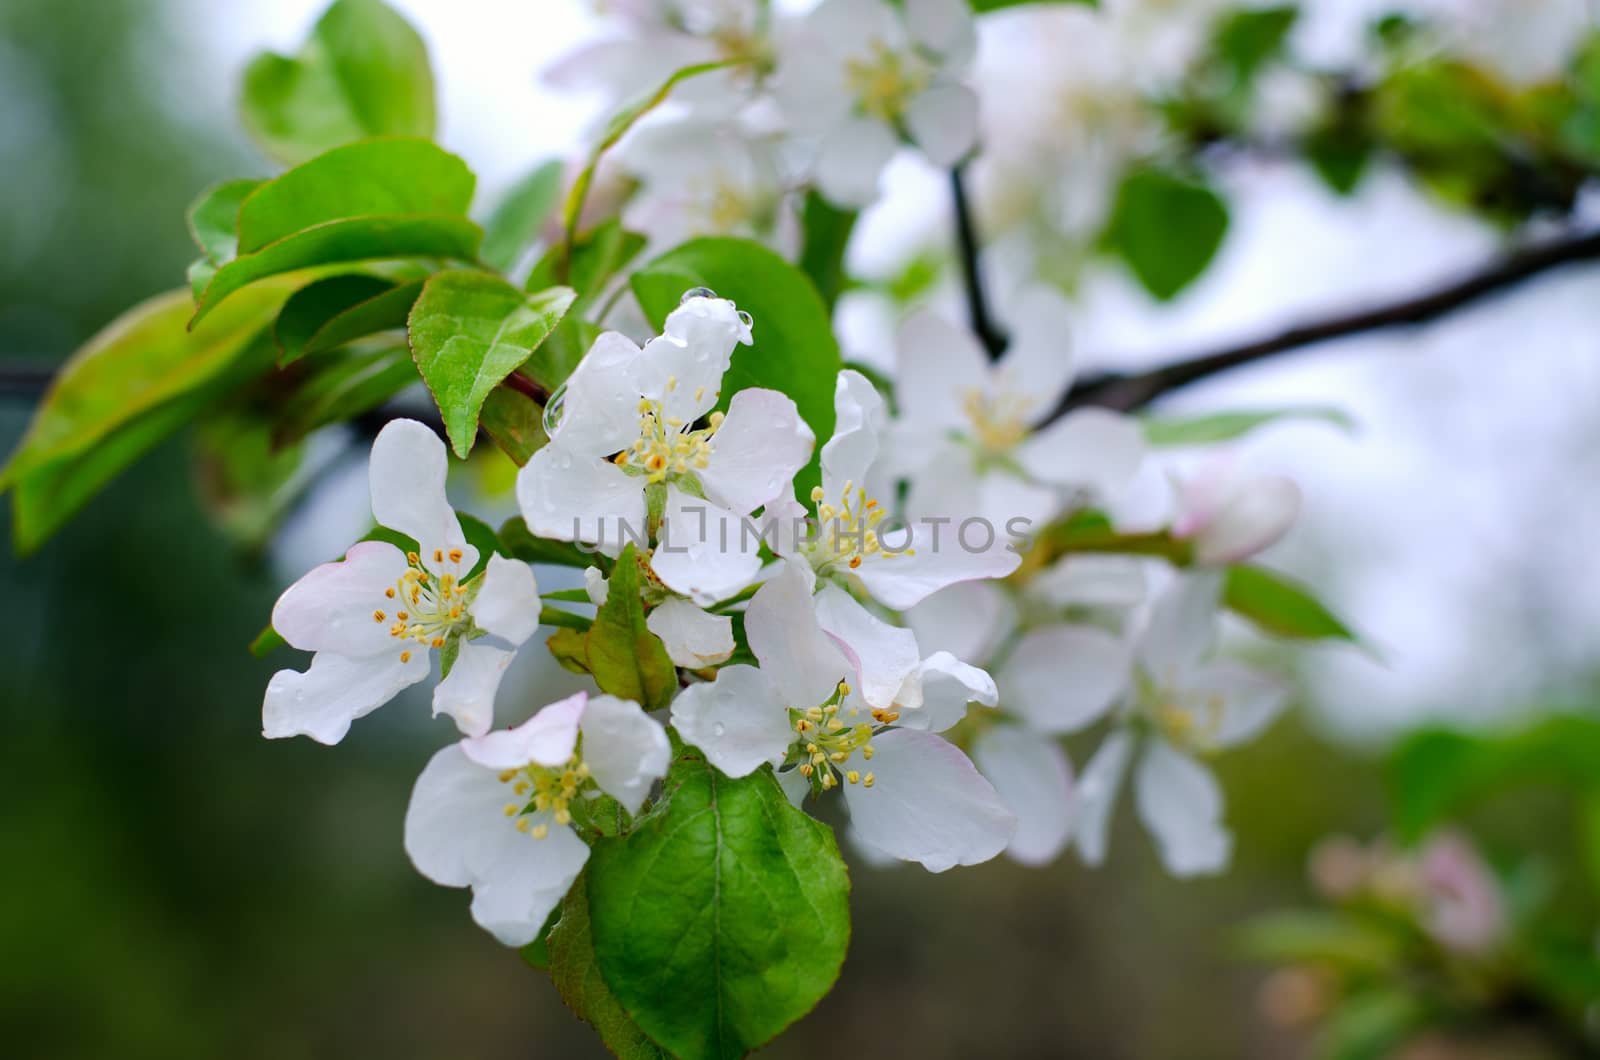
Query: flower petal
(336,690)
(1182,626)
(1033,776)
(944,27)
(407,472)
(1064,678)
(737,720)
(1038,364)
(882,656)
(1096,796)
(467,694)
(1087,579)
(928,804)
(626,750)
(852,158)
(948,686)
(693,638)
(456,823)
(507,604)
(1255,516)
(705,552)
(943,120)
(1089,448)
(1181,804)
(940,555)
(683,368)
(756,452)
(570,497)
(600,408)
(803,662)
(968,620)
(547,739)
(859,420)
(516,894)
(1235,701)
(937,364)
(335,607)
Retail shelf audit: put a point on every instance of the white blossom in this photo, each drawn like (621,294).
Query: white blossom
(1230,515)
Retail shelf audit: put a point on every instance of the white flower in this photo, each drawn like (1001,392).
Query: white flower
(494,812)
(976,436)
(627,423)
(700,178)
(854,73)
(1230,515)
(373,617)
(854,537)
(910,793)
(694,638)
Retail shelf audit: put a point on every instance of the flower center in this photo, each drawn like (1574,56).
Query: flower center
(1190,720)
(664,448)
(998,420)
(883,82)
(847,532)
(545,789)
(824,743)
(429,608)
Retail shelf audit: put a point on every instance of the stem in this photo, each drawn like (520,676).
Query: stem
(967,243)
(523,385)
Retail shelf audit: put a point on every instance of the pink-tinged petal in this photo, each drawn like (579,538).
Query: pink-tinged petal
(705,552)
(1087,449)
(467,694)
(757,451)
(1096,796)
(852,159)
(882,656)
(322,702)
(803,662)
(1064,678)
(1034,778)
(940,555)
(1467,909)
(1038,365)
(947,687)
(693,638)
(1180,803)
(600,408)
(968,620)
(507,604)
(1182,627)
(859,422)
(937,365)
(943,120)
(928,803)
(407,472)
(626,750)
(569,497)
(337,607)
(1231,702)
(547,739)
(737,720)
(1252,519)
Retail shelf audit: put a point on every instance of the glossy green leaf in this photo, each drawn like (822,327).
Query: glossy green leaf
(246,482)
(577,977)
(723,916)
(344,384)
(826,230)
(363,72)
(515,422)
(1248,39)
(214,219)
(794,349)
(387,310)
(594,261)
(516,221)
(628,660)
(267,641)
(469,330)
(1216,427)
(390,198)
(315,304)
(1166,228)
(1280,606)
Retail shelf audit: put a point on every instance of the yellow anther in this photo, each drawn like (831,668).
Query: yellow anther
(455,555)
(507,774)
(563,817)
(378,616)
(716,419)
(828,781)
(867,751)
(524,825)
(699,393)
(844,688)
(540,831)
(413,558)
(512,809)
(403,616)
(853,777)
(389,593)
(806,770)
(802,726)
(438,642)
(811,748)
(868,780)
(672,384)
(521,787)
(438,555)
(405,656)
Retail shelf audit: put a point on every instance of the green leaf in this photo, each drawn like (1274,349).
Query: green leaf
(267,641)
(247,483)
(387,310)
(516,423)
(1280,606)
(577,977)
(1248,39)
(981,6)
(1226,426)
(1371,1025)
(136,382)
(214,219)
(616,128)
(1340,155)
(516,221)
(628,660)
(826,231)
(1321,937)
(342,385)
(594,260)
(1166,228)
(469,330)
(389,198)
(364,72)
(723,916)
(315,304)
(519,542)
(794,350)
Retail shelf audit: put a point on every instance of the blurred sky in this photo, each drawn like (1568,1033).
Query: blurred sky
(1453,529)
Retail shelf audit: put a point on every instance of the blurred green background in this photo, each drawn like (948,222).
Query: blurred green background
(175,886)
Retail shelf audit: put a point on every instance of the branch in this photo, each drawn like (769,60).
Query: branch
(967,243)
(26,379)
(1134,391)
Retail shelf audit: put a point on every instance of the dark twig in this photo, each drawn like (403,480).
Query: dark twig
(1134,391)
(967,241)
(27,379)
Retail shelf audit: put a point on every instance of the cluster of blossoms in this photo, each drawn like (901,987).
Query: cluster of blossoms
(839,645)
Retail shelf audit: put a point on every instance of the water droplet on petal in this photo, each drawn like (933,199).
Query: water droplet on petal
(697,292)
(718,730)
(746,319)
(553,409)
